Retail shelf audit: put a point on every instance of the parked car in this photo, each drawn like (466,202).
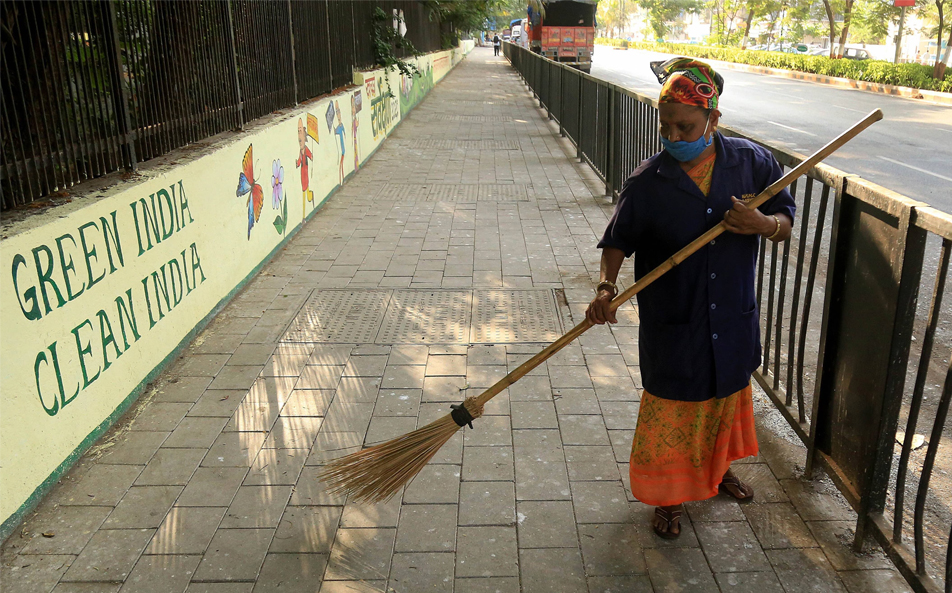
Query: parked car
(855,53)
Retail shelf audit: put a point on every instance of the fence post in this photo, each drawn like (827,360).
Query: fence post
(610,139)
(234,64)
(293,59)
(120,96)
(561,100)
(581,97)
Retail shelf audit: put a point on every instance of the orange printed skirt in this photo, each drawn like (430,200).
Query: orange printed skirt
(681,449)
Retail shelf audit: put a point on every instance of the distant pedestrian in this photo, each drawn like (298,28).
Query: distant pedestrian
(496,44)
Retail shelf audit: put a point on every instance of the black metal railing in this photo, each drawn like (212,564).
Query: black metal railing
(90,87)
(855,340)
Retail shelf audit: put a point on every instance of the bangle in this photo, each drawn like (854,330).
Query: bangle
(777,230)
(607,283)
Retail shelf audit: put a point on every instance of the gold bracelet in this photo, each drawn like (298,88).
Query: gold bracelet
(777,230)
(608,283)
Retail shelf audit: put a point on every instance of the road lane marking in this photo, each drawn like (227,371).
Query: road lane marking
(789,128)
(916,169)
(848,108)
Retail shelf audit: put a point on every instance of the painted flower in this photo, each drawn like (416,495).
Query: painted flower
(277,178)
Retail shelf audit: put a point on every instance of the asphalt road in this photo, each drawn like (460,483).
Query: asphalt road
(909,152)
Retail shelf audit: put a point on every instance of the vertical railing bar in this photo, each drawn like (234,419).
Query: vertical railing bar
(81,106)
(795,303)
(926,474)
(781,299)
(808,295)
(915,404)
(115,139)
(18,165)
(132,28)
(98,142)
(29,158)
(239,103)
(293,62)
(203,71)
(770,304)
(52,153)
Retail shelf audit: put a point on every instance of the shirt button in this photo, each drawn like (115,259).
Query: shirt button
(715,336)
(709,210)
(713,276)
(713,306)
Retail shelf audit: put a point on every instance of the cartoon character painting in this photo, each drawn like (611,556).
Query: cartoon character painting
(247,186)
(305,154)
(356,103)
(335,125)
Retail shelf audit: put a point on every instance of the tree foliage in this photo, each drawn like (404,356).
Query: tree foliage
(662,12)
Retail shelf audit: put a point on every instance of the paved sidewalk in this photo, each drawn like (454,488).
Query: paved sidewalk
(466,243)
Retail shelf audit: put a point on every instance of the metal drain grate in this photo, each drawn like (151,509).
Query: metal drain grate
(473,118)
(463,144)
(506,316)
(427,317)
(340,316)
(446,192)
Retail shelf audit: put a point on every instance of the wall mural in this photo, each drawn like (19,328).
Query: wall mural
(98,296)
(304,155)
(248,187)
(336,126)
(277,197)
(414,88)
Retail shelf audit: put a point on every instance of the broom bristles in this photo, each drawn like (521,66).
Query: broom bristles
(377,473)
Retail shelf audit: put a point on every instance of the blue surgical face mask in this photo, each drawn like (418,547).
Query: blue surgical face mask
(687,151)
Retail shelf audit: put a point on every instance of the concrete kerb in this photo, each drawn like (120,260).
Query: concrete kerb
(858,85)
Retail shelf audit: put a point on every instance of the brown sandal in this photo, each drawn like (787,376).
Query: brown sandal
(732,485)
(671,519)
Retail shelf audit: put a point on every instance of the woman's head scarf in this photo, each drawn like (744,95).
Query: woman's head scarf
(688,81)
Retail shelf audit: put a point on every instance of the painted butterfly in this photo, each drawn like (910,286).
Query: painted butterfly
(247,185)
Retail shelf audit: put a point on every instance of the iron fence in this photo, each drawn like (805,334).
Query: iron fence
(91,87)
(856,343)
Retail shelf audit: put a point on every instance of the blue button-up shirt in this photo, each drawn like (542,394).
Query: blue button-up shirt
(700,331)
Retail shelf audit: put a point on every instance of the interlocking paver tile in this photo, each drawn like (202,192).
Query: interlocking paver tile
(777,525)
(31,573)
(588,463)
(575,401)
(291,573)
(212,487)
(361,554)
(161,574)
(749,582)
(679,569)
(234,555)
(182,389)
(427,528)
(195,432)
(487,503)
(306,530)
(434,484)
(71,528)
(488,463)
(186,530)
(134,448)
(161,417)
(109,555)
(805,570)
(381,514)
(731,547)
(143,507)
(553,570)
(276,466)
(546,524)
(486,552)
(233,449)
(171,467)
(256,506)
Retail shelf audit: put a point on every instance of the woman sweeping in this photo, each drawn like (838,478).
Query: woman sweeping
(699,338)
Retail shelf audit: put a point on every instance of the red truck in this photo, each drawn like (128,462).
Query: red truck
(565,33)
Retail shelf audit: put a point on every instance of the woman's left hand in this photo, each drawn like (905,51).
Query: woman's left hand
(748,221)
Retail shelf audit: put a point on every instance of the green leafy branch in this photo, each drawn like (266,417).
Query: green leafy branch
(386,40)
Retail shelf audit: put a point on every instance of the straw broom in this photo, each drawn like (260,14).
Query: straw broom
(377,473)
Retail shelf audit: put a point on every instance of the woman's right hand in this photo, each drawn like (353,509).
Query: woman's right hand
(599,310)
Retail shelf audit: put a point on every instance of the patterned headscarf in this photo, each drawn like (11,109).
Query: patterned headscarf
(688,81)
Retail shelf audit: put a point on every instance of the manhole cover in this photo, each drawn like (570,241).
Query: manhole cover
(507,316)
(427,317)
(340,316)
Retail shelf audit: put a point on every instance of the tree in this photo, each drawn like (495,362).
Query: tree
(871,21)
(613,15)
(938,12)
(845,31)
(661,12)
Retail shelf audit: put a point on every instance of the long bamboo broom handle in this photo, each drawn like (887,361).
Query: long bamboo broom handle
(685,252)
